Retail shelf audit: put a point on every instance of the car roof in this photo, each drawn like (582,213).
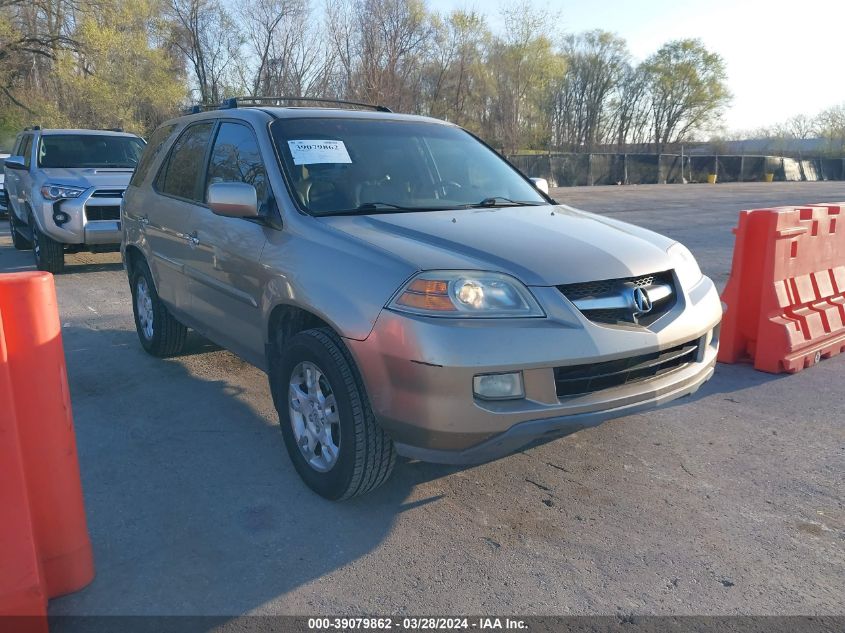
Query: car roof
(260,114)
(52,131)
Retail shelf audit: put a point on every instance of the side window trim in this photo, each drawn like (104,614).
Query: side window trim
(199,194)
(165,164)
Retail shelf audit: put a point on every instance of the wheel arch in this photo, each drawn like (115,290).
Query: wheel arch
(131,256)
(286,320)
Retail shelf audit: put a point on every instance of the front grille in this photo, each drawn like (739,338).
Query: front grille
(107,193)
(94,212)
(618,288)
(580,379)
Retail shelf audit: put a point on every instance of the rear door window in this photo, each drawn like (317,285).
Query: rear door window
(181,173)
(154,148)
(235,157)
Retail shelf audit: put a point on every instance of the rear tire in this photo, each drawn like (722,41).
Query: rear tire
(18,241)
(160,333)
(365,454)
(49,254)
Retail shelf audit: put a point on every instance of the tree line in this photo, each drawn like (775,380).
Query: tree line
(828,125)
(104,63)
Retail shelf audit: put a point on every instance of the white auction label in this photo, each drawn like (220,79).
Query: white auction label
(318,151)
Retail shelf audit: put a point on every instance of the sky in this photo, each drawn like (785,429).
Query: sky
(783,58)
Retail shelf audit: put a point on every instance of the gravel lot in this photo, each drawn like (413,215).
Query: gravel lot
(728,502)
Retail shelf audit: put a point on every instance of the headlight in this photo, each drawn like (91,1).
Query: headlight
(462,293)
(685,265)
(61,192)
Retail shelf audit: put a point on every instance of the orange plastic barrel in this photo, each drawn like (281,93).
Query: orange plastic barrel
(36,366)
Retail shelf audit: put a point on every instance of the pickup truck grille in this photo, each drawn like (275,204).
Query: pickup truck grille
(581,379)
(610,301)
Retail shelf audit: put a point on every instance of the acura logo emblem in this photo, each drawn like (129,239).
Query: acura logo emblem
(642,303)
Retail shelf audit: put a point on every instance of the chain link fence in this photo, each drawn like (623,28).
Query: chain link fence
(568,170)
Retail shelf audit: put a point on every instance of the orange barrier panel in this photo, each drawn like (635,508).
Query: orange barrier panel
(786,293)
(36,366)
(21,585)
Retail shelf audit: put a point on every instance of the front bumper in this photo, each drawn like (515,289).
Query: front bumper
(419,374)
(79,229)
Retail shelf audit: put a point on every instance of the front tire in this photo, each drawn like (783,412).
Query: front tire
(159,332)
(18,241)
(329,429)
(49,254)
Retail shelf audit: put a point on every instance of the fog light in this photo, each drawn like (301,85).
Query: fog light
(60,217)
(498,386)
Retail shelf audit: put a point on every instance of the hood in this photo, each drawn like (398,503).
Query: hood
(541,246)
(87,177)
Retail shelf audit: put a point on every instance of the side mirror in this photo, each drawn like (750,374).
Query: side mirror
(542,184)
(15,162)
(233,199)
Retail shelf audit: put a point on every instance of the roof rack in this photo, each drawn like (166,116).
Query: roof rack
(32,128)
(235,102)
(196,109)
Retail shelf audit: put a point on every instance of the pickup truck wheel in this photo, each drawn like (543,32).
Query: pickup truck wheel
(49,254)
(18,240)
(331,435)
(160,333)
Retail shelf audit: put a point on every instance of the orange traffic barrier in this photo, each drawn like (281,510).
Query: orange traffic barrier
(786,292)
(40,403)
(23,603)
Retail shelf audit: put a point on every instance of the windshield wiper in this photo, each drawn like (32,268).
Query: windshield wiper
(368,208)
(501,201)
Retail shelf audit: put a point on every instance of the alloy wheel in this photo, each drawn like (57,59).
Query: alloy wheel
(144,305)
(314,416)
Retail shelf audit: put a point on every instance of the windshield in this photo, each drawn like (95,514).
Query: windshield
(369,165)
(89,150)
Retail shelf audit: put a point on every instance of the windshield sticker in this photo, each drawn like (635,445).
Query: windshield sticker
(318,151)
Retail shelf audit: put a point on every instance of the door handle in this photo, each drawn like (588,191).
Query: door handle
(193,240)
(143,219)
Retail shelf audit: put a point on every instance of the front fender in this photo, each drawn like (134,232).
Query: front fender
(344,282)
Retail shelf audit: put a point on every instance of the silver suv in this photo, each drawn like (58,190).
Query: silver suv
(406,289)
(64,189)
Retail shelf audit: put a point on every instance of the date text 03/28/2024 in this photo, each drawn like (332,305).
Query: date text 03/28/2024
(416,624)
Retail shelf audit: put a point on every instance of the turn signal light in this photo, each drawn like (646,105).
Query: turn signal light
(427,294)
(438,302)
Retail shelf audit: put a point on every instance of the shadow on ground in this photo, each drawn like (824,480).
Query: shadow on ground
(191,469)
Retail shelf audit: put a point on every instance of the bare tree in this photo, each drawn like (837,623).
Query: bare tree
(455,74)
(801,126)
(595,67)
(210,40)
(380,45)
(631,107)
